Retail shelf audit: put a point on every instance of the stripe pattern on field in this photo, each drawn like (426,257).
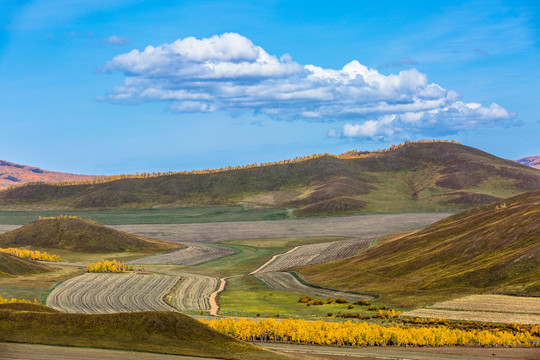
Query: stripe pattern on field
(285,281)
(193,254)
(110,293)
(193,291)
(316,254)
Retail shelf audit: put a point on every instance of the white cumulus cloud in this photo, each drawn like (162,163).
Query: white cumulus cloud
(229,73)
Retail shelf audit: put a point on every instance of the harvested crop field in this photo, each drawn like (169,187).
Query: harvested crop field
(349,226)
(316,254)
(194,254)
(489,308)
(110,293)
(193,291)
(288,282)
(486,316)
(497,303)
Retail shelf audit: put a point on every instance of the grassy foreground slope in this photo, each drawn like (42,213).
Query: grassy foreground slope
(12,266)
(492,248)
(79,235)
(160,332)
(413,177)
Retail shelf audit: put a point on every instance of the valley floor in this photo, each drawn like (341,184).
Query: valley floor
(45,352)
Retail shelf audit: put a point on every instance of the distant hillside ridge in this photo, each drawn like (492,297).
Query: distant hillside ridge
(532,161)
(72,233)
(12,174)
(352,154)
(490,249)
(415,176)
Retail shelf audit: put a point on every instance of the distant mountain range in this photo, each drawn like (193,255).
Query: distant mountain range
(14,174)
(415,176)
(532,161)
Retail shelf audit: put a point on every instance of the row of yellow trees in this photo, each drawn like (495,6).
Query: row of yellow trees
(32,254)
(364,334)
(59,217)
(104,266)
(4,300)
(353,154)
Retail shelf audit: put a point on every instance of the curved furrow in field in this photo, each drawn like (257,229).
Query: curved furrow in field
(193,254)
(285,281)
(193,292)
(105,293)
(315,254)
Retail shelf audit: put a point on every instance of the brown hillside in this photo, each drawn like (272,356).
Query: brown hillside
(14,174)
(11,265)
(493,248)
(79,235)
(424,176)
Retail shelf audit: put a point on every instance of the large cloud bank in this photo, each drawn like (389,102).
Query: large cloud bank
(229,73)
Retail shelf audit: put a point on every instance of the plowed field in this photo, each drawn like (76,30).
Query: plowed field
(288,282)
(194,254)
(110,293)
(193,291)
(315,254)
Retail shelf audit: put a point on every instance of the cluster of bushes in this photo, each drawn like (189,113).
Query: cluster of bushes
(105,266)
(4,300)
(31,254)
(308,300)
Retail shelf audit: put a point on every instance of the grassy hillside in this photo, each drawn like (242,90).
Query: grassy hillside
(12,266)
(160,332)
(414,177)
(492,248)
(79,235)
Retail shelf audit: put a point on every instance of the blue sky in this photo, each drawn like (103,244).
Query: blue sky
(238,82)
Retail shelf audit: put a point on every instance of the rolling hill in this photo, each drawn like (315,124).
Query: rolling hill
(490,249)
(418,176)
(532,161)
(12,266)
(78,234)
(14,174)
(151,331)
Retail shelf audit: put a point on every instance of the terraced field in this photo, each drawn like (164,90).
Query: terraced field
(498,303)
(288,282)
(315,254)
(194,254)
(486,316)
(490,308)
(110,293)
(193,291)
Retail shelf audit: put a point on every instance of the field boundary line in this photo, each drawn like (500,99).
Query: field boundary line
(272,260)
(302,281)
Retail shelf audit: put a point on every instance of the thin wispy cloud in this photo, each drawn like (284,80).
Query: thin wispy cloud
(230,73)
(116,40)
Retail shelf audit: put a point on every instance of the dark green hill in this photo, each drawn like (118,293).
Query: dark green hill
(159,332)
(414,177)
(493,248)
(78,234)
(11,265)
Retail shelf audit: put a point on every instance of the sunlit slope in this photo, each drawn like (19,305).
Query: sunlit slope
(11,265)
(490,249)
(432,176)
(79,235)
